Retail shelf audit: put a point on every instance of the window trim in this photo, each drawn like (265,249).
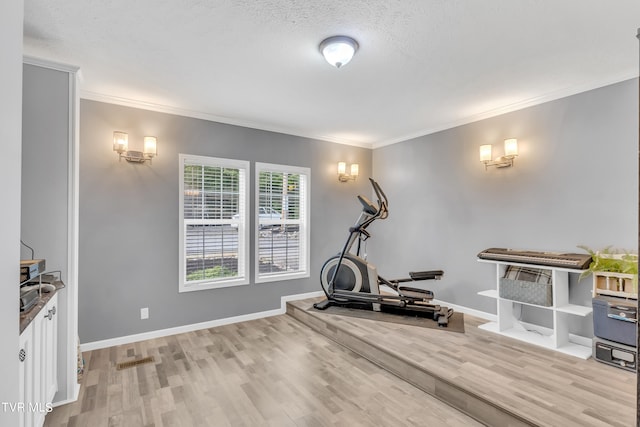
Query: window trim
(306,256)
(243,228)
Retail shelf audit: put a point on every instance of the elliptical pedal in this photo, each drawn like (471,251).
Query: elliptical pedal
(423,294)
(426,275)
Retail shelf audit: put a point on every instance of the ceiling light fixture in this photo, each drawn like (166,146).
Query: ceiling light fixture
(338,50)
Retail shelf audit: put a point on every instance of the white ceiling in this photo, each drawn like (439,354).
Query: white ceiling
(422,66)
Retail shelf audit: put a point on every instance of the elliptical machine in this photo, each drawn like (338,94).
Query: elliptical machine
(350,281)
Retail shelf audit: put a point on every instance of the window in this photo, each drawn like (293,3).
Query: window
(213,222)
(282,239)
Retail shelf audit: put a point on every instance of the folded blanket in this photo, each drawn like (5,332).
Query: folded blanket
(528,274)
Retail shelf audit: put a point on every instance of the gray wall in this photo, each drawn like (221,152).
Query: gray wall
(11,17)
(574,183)
(45,168)
(45,142)
(129,218)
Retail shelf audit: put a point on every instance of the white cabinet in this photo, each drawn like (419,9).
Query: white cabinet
(38,365)
(558,338)
(26,373)
(50,364)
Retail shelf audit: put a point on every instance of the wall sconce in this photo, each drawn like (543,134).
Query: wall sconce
(343,176)
(510,153)
(121,146)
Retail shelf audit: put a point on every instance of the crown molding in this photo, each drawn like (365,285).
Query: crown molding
(32,60)
(127,102)
(150,106)
(553,96)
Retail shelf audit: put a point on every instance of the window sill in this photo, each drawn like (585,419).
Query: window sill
(212,285)
(283,277)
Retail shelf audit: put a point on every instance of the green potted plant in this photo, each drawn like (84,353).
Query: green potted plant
(614,271)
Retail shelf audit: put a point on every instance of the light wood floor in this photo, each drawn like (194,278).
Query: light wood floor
(542,386)
(268,372)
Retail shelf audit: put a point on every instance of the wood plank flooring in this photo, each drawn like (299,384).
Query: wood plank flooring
(480,372)
(267,372)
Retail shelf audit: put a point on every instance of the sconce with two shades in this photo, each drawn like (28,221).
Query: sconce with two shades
(510,153)
(343,176)
(121,146)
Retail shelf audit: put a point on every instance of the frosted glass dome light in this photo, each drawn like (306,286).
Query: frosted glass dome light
(338,50)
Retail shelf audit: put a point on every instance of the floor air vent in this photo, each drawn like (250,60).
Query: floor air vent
(132,363)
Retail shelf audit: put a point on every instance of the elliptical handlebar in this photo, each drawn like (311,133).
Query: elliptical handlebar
(383,202)
(378,190)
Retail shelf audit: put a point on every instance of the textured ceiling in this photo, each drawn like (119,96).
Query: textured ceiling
(422,66)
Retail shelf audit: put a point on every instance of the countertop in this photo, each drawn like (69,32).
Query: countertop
(27,316)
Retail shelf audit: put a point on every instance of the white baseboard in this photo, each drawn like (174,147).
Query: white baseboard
(177,330)
(244,318)
(470,311)
(95,345)
(285,299)
(76,393)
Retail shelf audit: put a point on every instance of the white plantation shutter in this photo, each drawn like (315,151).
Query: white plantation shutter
(213,222)
(282,222)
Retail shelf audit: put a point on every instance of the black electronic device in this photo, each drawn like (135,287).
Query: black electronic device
(615,354)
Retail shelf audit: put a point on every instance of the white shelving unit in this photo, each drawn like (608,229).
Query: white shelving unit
(558,338)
